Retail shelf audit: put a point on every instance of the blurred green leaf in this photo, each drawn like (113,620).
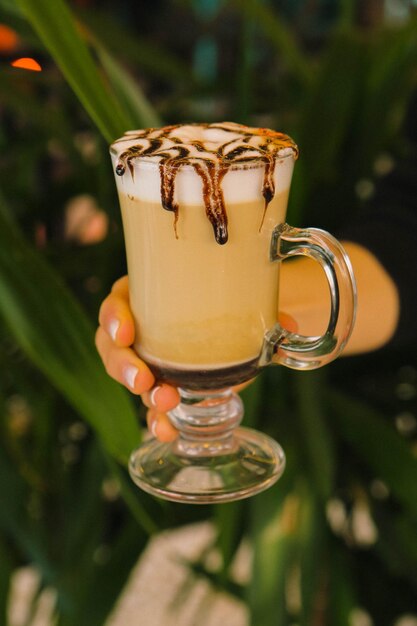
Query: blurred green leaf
(312,545)
(397,545)
(314,434)
(137,108)
(325,117)
(50,327)
(88,587)
(346,19)
(93,551)
(229,518)
(328,107)
(341,594)
(129,492)
(277,32)
(10,6)
(7,566)
(229,522)
(244,78)
(81,525)
(390,80)
(274,525)
(379,446)
(14,523)
(101,587)
(145,54)
(57,29)
(14,95)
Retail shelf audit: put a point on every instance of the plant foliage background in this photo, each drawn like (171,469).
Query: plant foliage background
(339,77)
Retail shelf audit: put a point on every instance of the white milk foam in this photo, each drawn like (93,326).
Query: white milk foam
(242,183)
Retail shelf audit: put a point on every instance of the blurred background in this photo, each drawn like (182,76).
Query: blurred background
(335,541)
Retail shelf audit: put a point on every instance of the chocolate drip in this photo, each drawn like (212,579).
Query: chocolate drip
(268,187)
(168,169)
(173,154)
(212,173)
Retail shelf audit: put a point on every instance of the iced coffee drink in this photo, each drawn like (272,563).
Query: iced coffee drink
(199,204)
(203,209)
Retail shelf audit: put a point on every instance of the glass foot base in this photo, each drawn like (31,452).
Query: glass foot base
(185,471)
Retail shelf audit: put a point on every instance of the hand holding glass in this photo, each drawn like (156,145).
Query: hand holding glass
(203,261)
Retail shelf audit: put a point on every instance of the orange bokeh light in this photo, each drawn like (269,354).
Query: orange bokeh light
(26,63)
(8,39)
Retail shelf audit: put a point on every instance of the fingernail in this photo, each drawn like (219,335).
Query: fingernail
(113,328)
(154,427)
(129,374)
(153,394)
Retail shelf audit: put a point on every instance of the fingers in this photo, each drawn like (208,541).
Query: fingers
(162,397)
(113,338)
(160,400)
(160,426)
(123,364)
(115,316)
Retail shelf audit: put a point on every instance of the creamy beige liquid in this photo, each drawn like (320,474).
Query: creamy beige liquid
(199,205)
(200,305)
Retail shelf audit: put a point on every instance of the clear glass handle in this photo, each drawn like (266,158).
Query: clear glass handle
(304,352)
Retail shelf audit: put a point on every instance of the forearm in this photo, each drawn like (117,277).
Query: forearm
(304,295)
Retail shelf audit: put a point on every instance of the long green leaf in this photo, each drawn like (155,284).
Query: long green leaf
(276,31)
(144,54)
(6,569)
(275,518)
(314,433)
(390,81)
(311,546)
(10,7)
(50,327)
(138,110)
(342,595)
(95,600)
(138,512)
(14,523)
(229,522)
(56,27)
(229,518)
(397,544)
(325,119)
(379,446)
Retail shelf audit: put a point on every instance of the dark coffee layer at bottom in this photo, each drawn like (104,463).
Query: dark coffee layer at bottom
(206,379)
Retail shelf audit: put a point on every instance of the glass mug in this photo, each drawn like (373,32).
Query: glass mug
(206,310)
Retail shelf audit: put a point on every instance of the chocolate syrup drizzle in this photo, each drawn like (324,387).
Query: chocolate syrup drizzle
(210,164)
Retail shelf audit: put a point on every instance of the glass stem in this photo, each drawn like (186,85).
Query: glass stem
(206,421)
